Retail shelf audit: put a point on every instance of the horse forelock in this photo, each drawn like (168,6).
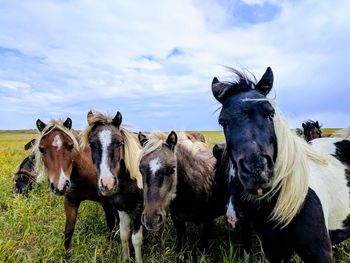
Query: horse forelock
(53,125)
(131,147)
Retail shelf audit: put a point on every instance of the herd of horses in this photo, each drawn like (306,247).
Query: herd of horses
(293,194)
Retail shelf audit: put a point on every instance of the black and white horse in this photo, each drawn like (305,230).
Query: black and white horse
(295,195)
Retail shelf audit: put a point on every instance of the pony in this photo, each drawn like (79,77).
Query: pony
(179,176)
(114,152)
(311,130)
(196,136)
(295,196)
(69,170)
(25,175)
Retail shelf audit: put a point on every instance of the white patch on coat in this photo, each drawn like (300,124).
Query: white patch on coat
(62,180)
(231,214)
(154,165)
(137,243)
(330,185)
(232,171)
(325,145)
(124,226)
(57,142)
(106,176)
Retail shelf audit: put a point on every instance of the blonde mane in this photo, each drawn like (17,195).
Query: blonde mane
(157,138)
(40,168)
(291,177)
(342,133)
(131,148)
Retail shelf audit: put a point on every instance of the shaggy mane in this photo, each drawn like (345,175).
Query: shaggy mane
(53,125)
(131,147)
(195,153)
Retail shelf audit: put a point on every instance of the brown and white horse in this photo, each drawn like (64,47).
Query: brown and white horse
(179,175)
(115,152)
(69,170)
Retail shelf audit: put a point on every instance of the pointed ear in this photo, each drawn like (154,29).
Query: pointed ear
(117,120)
(171,141)
(218,150)
(40,125)
(265,84)
(317,125)
(304,126)
(220,90)
(142,139)
(89,115)
(29,145)
(68,123)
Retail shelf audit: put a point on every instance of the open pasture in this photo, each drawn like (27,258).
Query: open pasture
(31,229)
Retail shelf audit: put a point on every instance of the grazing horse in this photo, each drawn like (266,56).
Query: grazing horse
(296,196)
(311,130)
(25,175)
(69,170)
(115,151)
(179,175)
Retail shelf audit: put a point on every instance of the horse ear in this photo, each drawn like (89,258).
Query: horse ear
(29,145)
(40,125)
(142,139)
(68,123)
(317,125)
(89,115)
(265,84)
(171,141)
(218,150)
(219,89)
(117,120)
(304,126)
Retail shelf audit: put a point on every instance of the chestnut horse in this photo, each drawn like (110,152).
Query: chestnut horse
(69,170)
(115,151)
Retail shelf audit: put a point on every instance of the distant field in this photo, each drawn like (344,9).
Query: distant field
(31,229)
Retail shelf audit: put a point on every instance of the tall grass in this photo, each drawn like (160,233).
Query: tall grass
(31,228)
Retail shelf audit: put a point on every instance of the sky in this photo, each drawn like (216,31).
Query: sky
(154,60)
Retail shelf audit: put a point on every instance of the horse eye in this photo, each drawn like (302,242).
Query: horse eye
(223,123)
(271,115)
(170,170)
(70,146)
(42,149)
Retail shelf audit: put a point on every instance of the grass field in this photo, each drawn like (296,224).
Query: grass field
(31,229)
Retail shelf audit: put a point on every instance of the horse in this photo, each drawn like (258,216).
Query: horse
(311,130)
(114,152)
(69,170)
(295,196)
(25,176)
(196,136)
(178,175)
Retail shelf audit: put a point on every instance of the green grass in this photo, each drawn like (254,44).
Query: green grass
(31,229)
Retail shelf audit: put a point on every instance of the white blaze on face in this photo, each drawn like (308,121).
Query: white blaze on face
(62,180)
(231,214)
(232,172)
(106,176)
(154,165)
(57,142)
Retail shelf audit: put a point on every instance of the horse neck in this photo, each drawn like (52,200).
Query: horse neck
(82,164)
(200,179)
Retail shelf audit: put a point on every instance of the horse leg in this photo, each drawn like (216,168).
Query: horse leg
(109,213)
(124,226)
(180,231)
(206,231)
(137,238)
(71,211)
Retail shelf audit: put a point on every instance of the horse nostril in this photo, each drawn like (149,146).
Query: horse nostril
(242,166)
(66,185)
(52,187)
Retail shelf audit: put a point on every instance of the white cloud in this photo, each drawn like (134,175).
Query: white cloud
(73,54)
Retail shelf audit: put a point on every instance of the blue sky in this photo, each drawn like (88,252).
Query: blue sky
(154,60)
